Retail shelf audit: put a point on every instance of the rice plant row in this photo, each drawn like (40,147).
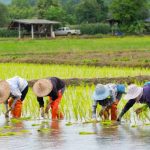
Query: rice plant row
(36,71)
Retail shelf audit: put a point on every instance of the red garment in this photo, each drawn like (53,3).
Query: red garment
(114,110)
(16,112)
(56,114)
(111,110)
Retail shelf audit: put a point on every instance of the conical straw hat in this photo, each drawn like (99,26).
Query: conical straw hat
(4,91)
(42,87)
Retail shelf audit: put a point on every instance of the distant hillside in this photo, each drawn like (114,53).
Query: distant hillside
(5,1)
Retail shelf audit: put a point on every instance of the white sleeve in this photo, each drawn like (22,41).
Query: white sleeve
(113,95)
(16,93)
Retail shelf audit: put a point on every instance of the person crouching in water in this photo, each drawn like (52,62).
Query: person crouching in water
(16,89)
(108,97)
(134,95)
(54,89)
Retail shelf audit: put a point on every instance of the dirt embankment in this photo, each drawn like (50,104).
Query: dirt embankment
(91,58)
(86,81)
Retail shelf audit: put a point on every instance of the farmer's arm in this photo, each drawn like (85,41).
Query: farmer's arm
(54,93)
(129,104)
(119,96)
(94,109)
(48,105)
(7,110)
(143,108)
(15,99)
(15,95)
(41,104)
(40,101)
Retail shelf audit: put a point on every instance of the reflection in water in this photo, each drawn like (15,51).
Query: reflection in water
(123,136)
(18,126)
(52,138)
(61,137)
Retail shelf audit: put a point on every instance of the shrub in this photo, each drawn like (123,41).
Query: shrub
(97,28)
(8,33)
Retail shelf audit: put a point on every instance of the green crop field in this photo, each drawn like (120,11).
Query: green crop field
(113,51)
(36,71)
(77,101)
(65,44)
(74,58)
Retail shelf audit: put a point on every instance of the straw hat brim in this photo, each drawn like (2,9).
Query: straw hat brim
(42,87)
(101,96)
(133,95)
(4,90)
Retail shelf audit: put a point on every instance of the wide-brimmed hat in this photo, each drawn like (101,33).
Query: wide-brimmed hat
(147,83)
(121,88)
(101,92)
(4,90)
(133,91)
(42,87)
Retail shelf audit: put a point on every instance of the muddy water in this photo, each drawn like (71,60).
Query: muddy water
(62,137)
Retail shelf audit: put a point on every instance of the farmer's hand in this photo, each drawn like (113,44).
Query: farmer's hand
(94,118)
(138,111)
(118,119)
(42,111)
(46,110)
(48,106)
(7,113)
(101,113)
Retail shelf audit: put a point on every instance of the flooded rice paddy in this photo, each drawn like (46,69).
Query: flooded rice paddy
(57,135)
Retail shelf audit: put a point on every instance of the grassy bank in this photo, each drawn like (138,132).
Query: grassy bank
(126,51)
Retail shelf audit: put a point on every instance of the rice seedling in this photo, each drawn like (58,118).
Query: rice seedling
(76,103)
(24,131)
(44,130)
(69,124)
(32,71)
(8,134)
(36,125)
(86,133)
(77,106)
(7,127)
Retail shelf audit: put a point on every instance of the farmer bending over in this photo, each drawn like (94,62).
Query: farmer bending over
(136,94)
(108,97)
(13,92)
(54,89)
(117,91)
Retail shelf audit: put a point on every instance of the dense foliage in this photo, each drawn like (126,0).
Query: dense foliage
(129,13)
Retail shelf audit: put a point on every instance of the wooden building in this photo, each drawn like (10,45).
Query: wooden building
(33,27)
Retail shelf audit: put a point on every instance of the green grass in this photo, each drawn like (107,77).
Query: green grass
(65,44)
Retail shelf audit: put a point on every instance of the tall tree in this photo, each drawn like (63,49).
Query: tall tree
(70,8)
(43,6)
(20,3)
(3,15)
(129,11)
(21,9)
(91,11)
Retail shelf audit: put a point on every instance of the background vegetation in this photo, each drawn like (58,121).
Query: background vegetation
(130,14)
